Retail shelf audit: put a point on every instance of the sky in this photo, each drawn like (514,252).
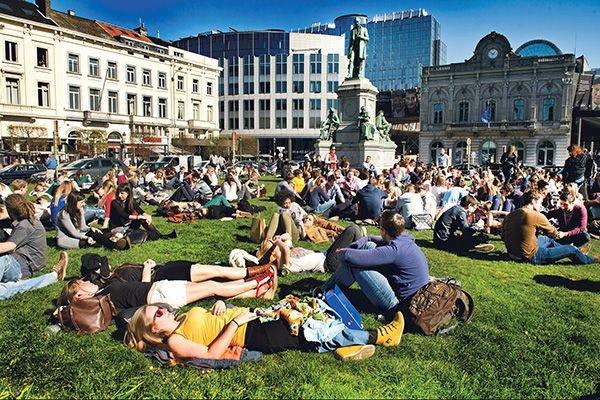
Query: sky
(574,26)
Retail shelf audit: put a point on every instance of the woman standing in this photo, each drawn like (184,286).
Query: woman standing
(509,162)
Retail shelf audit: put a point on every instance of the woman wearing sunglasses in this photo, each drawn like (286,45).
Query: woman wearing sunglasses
(177,293)
(202,333)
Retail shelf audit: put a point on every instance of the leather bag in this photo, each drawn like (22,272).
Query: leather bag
(87,316)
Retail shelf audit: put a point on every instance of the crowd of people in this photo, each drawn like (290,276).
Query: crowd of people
(542,217)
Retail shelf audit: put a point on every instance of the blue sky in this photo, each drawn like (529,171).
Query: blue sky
(569,24)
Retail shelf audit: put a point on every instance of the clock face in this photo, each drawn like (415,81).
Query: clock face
(492,54)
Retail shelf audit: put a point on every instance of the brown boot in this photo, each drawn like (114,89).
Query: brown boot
(252,272)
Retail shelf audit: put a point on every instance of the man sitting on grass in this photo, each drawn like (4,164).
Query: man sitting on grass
(389,269)
(453,221)
(519,235)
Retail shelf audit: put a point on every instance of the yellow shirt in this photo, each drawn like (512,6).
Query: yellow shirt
(201,326)
(299,183)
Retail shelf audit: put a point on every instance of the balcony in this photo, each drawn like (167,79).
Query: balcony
(21,112)
(495,126)
(154,121)
(196,124)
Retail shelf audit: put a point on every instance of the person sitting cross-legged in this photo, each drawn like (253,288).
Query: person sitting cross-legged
(522,244)
(572,220)
(454,221)
(389,269)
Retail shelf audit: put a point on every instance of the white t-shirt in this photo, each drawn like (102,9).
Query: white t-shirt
(304,260)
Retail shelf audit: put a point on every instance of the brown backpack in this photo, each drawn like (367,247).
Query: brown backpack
(182,217)
(439,306)
(87,316)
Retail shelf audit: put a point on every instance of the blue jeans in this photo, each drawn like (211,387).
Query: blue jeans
(372,283)
(550,251)
(347,337)
(10,273)
(92,213)
(321,208)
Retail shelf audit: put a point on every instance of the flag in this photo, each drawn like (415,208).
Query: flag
(486,114)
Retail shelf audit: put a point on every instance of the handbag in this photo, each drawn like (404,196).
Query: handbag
(87,316)
(337,300)
(422,222)
(258,229)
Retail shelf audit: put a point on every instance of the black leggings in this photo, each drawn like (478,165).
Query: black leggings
(273,337)
(153,233)
(349,235)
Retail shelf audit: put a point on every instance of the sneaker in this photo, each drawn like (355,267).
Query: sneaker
(484,247)
(390,335)
(61,267)
(355,353)
(585,248)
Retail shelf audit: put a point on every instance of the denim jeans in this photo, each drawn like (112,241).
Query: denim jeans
(321,208)
(347,337)
(373,284)
(92,213)
(10,269)
(9,289)
(550,251)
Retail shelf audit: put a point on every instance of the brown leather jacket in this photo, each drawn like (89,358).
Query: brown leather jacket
(322,230)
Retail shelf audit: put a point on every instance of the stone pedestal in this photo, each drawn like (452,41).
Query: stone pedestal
(352,95)
(322,147)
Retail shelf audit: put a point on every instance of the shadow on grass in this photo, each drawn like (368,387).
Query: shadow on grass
(593,396)
(475,255)
(582,285)
(242,238)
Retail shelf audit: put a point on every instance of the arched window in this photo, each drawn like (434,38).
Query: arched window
(520,149)
(488,152)
(435,148)
(463,111)
(114,137)
(519,110)
(460,153)
(548,107)
(438,113)
(545,153)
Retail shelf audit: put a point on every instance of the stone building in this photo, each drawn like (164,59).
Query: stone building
(498,98)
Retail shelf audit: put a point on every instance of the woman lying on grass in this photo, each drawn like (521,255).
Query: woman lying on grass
(200,333)
(177,293)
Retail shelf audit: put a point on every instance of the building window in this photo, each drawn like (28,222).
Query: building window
(233,77)
(315,86)
(195,86)
(10,51)
(234,114)
(548,109)
(196,110)
(248,114)
(264,114)
(545,153)
(131,104)
(73,64)
(162,108)
(209,113)
(332,103)
(130,74)
(298,64)
(94,69)
(281,86)
(332,86)
(180,83)
(488,152)
(248,66)
(111,70)
(264,74)
(222,114)
(42,57)
(438,113)
(162,80)
(520,149)
(147,106)
(315,114)
(315,63)
(13,93)
(435,148)
(460,152)
(298,86)
(113,102)
(74,98)
(209,88)
(489,111)
(280,114)
(298,114)
(146,77)
(519,110)
(463,111)
(180,110)
(333,63)
(43,94)
(95,99)
(281,64)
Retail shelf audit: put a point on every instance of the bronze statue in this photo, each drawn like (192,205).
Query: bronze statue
(357,50)
(330,126)
(367,129)
(383,127)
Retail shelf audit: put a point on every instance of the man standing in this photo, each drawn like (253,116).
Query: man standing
(369,167)
(51,165)
(443,160)
(519,236)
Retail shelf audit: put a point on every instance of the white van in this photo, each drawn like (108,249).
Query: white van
(187,161)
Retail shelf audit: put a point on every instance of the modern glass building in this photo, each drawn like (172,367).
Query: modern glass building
(400,44)
(538,48)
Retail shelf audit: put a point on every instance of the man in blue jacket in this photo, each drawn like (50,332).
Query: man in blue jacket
(370,201)
(389,268)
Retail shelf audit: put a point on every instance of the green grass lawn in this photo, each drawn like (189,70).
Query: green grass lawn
(535,333)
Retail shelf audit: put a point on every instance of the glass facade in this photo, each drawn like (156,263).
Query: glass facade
(538,48)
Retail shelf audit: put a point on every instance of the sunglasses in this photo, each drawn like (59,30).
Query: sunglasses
(159,313)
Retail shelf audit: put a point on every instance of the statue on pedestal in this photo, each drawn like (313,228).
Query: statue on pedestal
(383,127)
(357,51)
(368,131)
(330,126)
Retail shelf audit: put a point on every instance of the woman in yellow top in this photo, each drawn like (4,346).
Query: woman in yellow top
(202,333)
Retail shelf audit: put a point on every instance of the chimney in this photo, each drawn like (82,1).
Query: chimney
(142,30)
(43,6)
(71,12)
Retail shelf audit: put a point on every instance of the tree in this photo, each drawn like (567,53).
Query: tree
(30,133)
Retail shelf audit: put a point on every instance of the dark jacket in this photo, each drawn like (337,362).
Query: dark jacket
(451,221)
(316,197)
(370,202)
(575,168)
(119,213)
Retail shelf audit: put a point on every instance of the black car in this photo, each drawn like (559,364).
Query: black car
(94,167)
(22,171)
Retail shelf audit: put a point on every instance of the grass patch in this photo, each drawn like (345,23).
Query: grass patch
(535,333)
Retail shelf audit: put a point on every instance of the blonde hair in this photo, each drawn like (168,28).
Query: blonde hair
(19,208)
(64,189)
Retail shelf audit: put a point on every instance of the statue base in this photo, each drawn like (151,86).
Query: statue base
(322,147)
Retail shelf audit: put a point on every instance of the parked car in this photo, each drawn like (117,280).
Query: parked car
(201,166)
(22,171)
(187,161)
(94,167)
(154,165)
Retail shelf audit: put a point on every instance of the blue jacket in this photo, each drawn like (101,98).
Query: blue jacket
(452,220)
(370,202)
(401,261)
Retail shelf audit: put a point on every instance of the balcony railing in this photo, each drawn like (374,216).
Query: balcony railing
(495,125)
(197,124)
